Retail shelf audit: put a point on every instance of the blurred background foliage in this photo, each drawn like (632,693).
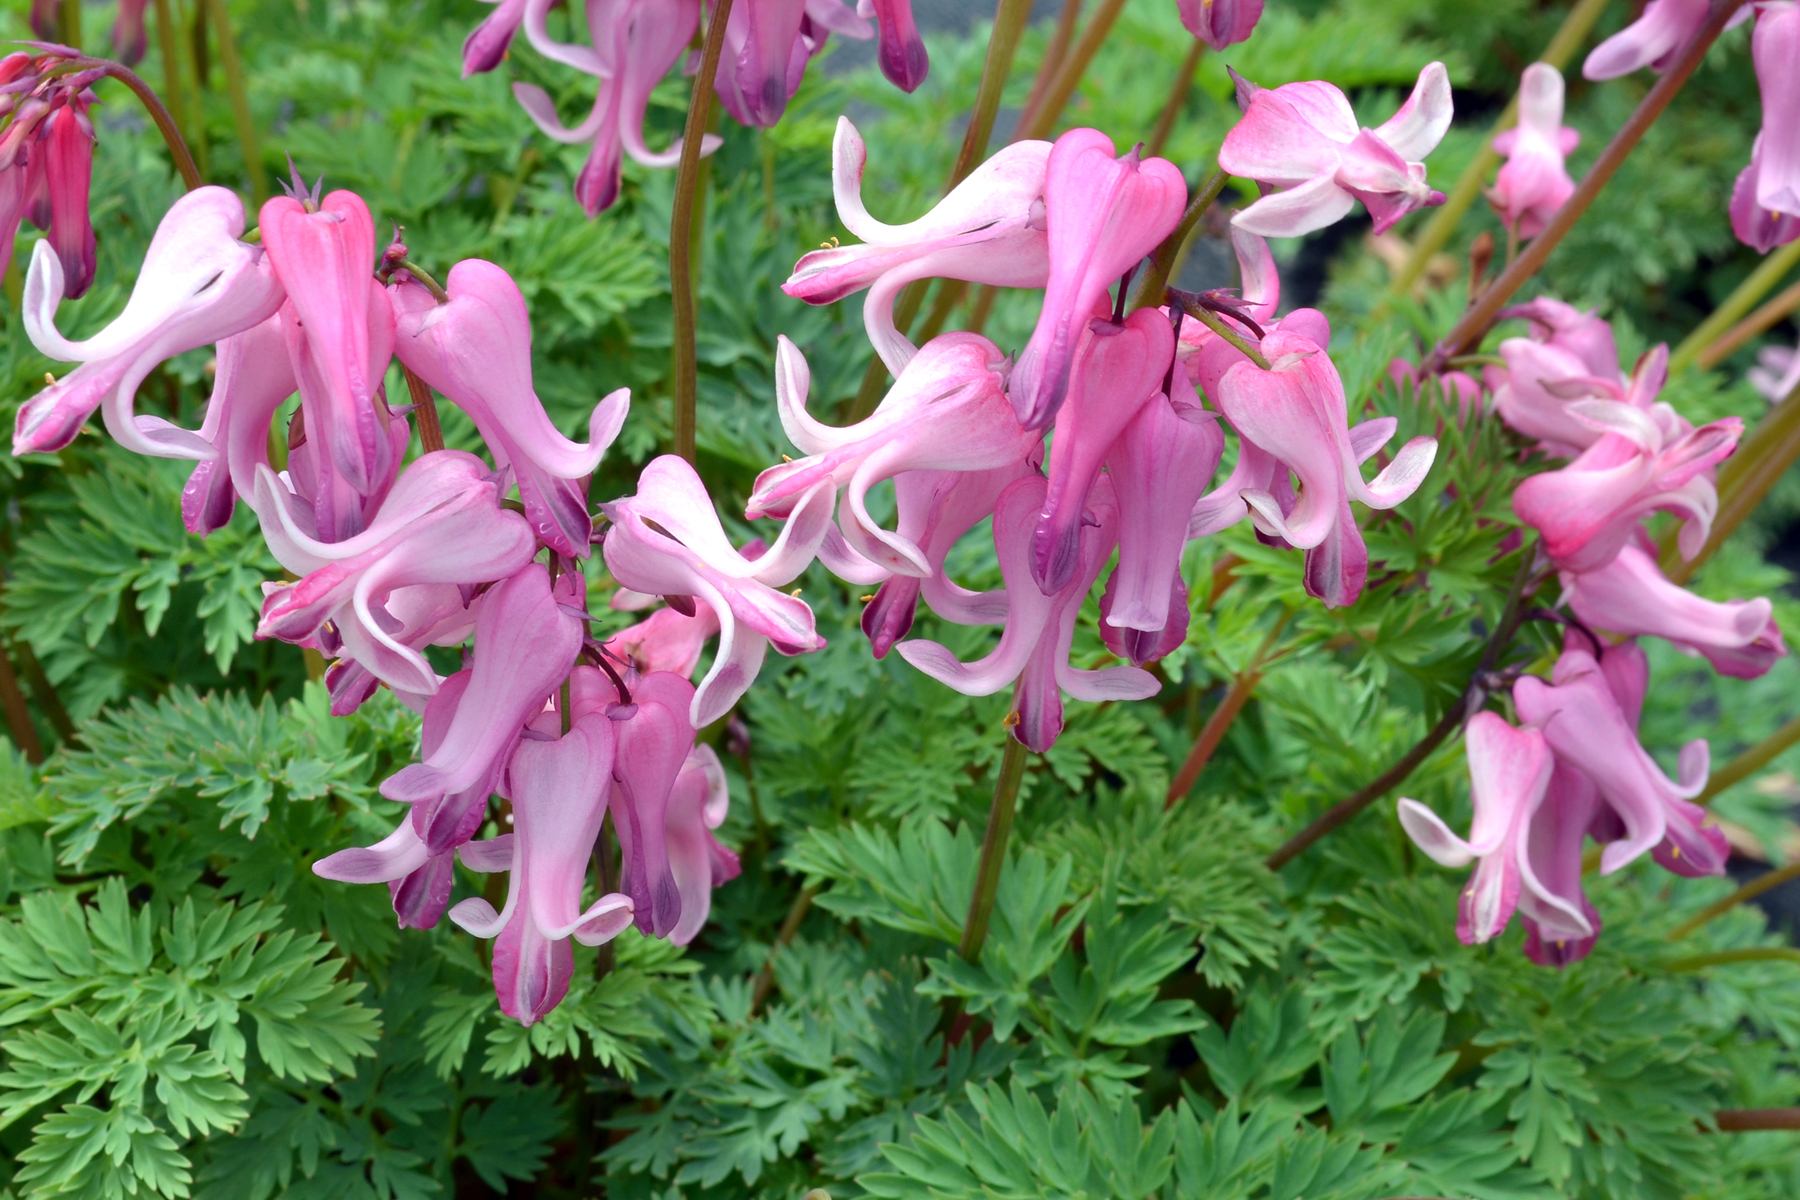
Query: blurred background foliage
(186,1010)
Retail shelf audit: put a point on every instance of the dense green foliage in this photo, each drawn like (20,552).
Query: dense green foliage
(186,1010)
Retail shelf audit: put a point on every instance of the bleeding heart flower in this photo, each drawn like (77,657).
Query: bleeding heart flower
(1534,183)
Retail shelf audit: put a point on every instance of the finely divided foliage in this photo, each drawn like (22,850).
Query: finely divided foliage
(1272,621)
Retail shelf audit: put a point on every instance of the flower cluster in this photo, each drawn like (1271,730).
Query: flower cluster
(47,157)
(1575,769)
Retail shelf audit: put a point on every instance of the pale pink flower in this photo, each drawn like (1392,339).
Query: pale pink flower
(251,379)
(1765,205)
(1536,393)
(1303,138)
(1776,373)
(989,229)
(1534,183)
(1756,226)
(1653,39)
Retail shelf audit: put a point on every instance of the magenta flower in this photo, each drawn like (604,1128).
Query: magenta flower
(1589,715)
(1650,462)
(1537,393)
(635,43)
(559,789)
(935,509)
(325,259)
(945,412)
(989,229)
(443,524)
(667,541)
(198,284)
(1509,777)
(1103,213)
(698,805)
(1765,205)
(1754,225)
(128,40)
(1582,334)
(486,46)
(476,350)
(1303,138)
(1652,40)
(655,740)
(418,881)
(1118,370)
(902,54)
(1571,811)
(1159,467)
(1220,23)
(44,20)
(1534,183)
(767,46)
(667,640)
(1631,596)
(425,614)
(68,171)
(1297,413)
(251,379)
(524,646)
(1034,646)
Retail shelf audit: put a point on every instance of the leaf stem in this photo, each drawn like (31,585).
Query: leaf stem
(45,692)
(1480,316)
(993,851)
(240,101)
(686,372)
(1470,702)
(1219,723)
(1721,958)
(1750,891)
(765,978)
(1743,298)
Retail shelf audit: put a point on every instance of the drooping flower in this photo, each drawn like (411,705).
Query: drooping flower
(902,52)
(1118,370)
(1765,205)
(698,805)
(442,524)
(326,259)
(1534,183)
(1296,413)
(1631,596)
(635,43)
(1536,392)
(1649,462)
(1585,335)
(1754,225)
(486,46)
(767,46)
(945,412)
(1220,23)
(1303,138)
(476,350)
(68,171)
(655,741)
(44,22)
(1509,779)
(128,40)
(560,790)
(1652,40)
(1588,713)
(251,379)
(1571,809)
(1034,646)
(1103,213)
(667,541)
(198,284)
(989,229)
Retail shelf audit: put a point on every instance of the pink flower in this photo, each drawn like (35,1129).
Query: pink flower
(44,19)
(1534,183)
(128,41)
(1118,370)
(418,881)
(667,640)
(1034,646)
(524,646)
(1565,327)
(945,412)
(1571,809)
(1589,713)
(443,524)
(989,229)
(935,509)
(667,541)
(486,46)
(198,284)
(698,805)
(1652,40)
(1754,225)
(1297,413)
(68,148)
(1509,777)
(476,350)
(416,616)
(1534,395)
(1303,138)
(325,259)
(560,790)
(1776,373)
(635,43)
(767,46)
(1220,23)
(251,379)
(1103,214)
(1650,462)
(1631,596)
(902,54)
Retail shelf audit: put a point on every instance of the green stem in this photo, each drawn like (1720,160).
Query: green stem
(1749,891)
(69,23)
(1762,458)
(1211,320)
(1480,316)
(993,851)
(1070,71)
(1720,958)
(1184,83)
(240,101)
(167,39)
(1167,258)
(1443,222)
(1743,298)
(165,124)
(1466,705)
(1750,761)
(1757,323)
(1003,43)
(686,381)
(1054,53)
